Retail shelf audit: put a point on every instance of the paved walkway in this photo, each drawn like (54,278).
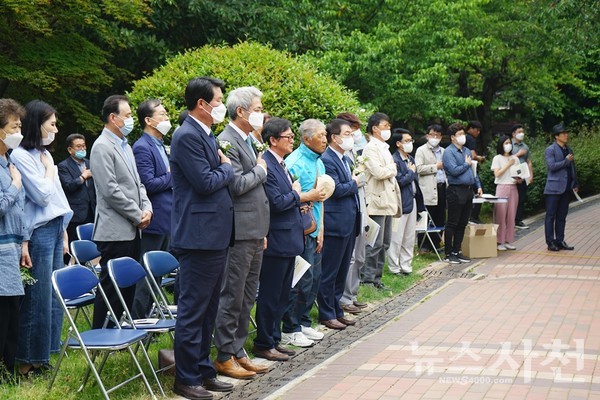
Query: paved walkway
(527,327)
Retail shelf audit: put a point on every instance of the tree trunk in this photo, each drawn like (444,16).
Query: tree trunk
(3,86)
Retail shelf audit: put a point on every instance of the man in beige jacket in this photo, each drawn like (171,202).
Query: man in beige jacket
(382,195)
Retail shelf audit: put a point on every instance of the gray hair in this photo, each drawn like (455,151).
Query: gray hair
(309,127)
(241,97)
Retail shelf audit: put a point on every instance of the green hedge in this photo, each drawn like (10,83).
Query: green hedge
(583,141)
(292,88)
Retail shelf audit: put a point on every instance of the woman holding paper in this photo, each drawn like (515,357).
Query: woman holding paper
(506,186)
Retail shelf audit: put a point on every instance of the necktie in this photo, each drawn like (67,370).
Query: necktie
(346,163)
(287,173)
(213,141)
(249,143)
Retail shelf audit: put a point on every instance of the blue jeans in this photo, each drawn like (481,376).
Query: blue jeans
(303,295)
(41,315)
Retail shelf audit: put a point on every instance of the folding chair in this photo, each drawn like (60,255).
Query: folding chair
(71,283)
(84,231)
(126,272)
(427,228)
(85,251)
(158,264)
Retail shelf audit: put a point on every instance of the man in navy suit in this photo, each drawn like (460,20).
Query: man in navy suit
(78,184)
(561,180)
(152,163)
(201,232)
(341,222)
(285,241)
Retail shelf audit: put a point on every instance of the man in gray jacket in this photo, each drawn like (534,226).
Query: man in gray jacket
(251,215)
(122,206)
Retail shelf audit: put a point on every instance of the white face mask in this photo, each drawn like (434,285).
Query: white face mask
(163,127)
(357,135)
(386,134)
(218,113)
(49,139)
(12,140)
(256,119)
(347,143)
(128,125)
(461,140)
(520,136)
(433,142)
(408,147)
(507,148)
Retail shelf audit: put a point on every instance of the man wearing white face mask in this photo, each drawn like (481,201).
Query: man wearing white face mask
(382,196)
(521,150)
(122,205)
(152,162)
(251,216)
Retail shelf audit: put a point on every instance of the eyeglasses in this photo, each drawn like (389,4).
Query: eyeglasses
(408,141)
(288,137)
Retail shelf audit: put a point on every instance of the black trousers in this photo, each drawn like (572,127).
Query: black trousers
(9,331)
(108,251)
(522,189)
(438,216)
(476,208)
(460,203)
(557,208)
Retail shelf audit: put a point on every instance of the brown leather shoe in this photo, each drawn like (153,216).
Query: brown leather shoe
(233,369)
(270,354)
(250,366)
(334,324)
(351,308)
(166,357)
(345,321)
(360,305)
(191,392)
(285,350)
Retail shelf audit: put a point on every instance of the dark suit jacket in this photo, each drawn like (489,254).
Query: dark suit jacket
(286,232)
(405,177)
(558,165)
(202,217)
(159,187)
(342,217)
(81,196)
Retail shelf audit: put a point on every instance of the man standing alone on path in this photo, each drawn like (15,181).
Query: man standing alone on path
(561,180)
(521,150)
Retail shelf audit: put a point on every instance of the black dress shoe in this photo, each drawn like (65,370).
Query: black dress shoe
(270,354)
(215,385)
(563,245)
(191,392)
(553,247)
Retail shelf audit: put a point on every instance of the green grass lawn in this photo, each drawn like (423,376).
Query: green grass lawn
(119,364)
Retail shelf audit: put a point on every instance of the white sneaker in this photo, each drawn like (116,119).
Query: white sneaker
(296,339)
(312,334)
(502,247)
(509,246)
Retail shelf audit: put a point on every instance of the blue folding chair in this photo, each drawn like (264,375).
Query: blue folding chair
(159,264)
(126,272)
(84,231)
(71,283)
(86,251)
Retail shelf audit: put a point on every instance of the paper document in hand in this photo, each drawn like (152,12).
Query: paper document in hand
(577,196)
(372,230)
(422,221)
(520,171)
(300,268)
(474,167)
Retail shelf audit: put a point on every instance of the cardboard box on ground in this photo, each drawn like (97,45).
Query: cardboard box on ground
(480,241)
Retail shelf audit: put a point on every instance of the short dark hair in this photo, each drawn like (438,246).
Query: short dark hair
(335,127)
(351,118)
(375,120)
(9,108)
(515,127)
(72,137)
(146,109)
(37,112)
(474,124)
(500,145)
(201,88)
(273,128)
(435,128)
(455,127)
(111,105)
(182,116)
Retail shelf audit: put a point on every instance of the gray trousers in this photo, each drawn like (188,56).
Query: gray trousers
(237,297)
(375,256)
(356,264)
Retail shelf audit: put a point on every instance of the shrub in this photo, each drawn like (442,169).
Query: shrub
(292,88)
(582,140)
